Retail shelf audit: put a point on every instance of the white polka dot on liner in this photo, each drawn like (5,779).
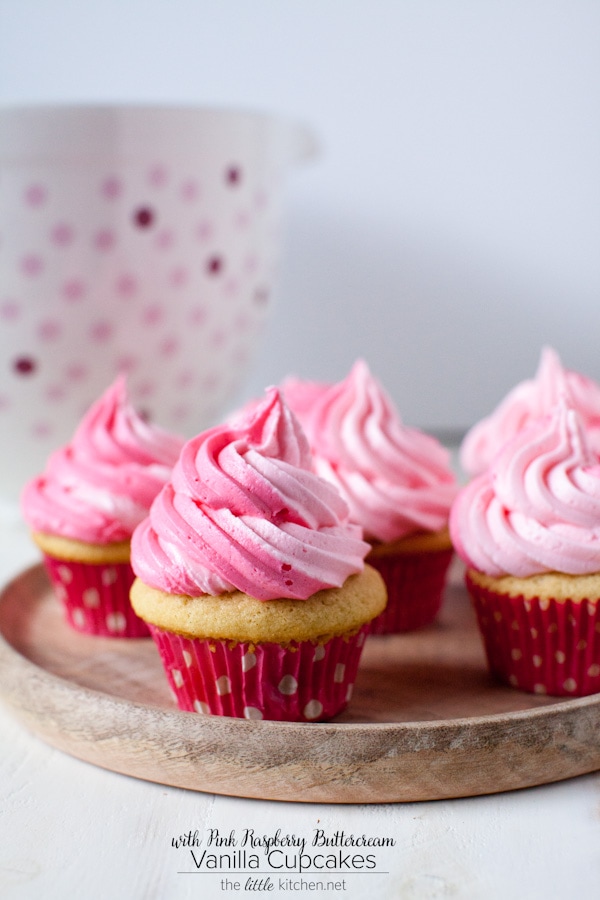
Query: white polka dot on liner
(223,685)
(248,662)
(537,661)
(559,656)
(251,712)
(116,622)
(539,689)
(108,576)
(187,658)
(319,653)
(313,709)
(360,639)
(65,574)
(340,671)
(349,691)
(91,598)
(570,685)
(202,708)
(594,670)
(78,617)
(177,677)
(513,680)
(516,653)
(288,685)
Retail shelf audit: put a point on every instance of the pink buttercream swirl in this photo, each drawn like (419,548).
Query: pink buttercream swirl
(396,480)
(529,400)
(537,508)
(99,486)
(244,510)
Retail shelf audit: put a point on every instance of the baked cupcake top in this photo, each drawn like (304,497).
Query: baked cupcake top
(537,507)
(531,399)
(245,511)
(99,486)
(396,480)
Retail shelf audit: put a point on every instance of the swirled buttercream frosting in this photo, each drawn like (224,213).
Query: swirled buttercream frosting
(100,485)
(397,480)
(245,511)
(528,400)
(536,509)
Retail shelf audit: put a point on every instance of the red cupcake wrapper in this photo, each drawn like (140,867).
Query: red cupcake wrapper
(95,597)
(540,645)
(415,585)
(305,682)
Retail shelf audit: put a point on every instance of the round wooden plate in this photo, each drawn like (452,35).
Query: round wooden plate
(426,720)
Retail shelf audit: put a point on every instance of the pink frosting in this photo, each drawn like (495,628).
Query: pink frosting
(395,479)
(301,395)
(98,487)
(537,508)
(530,400)
(244,510)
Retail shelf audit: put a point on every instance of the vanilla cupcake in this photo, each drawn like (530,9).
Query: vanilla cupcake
(529,400)
(251,576)
(397,481)
(83,508)
(528,530)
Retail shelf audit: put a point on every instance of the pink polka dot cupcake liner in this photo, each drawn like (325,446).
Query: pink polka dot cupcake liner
(415,585)
(540,645)
(95,597)
(305,682)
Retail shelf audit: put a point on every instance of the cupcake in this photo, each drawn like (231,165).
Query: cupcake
(251,577)
(397,482)
(528,530)
(83,508)
(531,399)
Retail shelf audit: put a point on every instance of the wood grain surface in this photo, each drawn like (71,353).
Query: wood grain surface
(426,720)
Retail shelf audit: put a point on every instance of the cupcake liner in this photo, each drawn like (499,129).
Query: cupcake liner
(304,682)
(540,645)
(95,597)
(415,584)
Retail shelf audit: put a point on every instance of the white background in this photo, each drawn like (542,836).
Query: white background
(451,225)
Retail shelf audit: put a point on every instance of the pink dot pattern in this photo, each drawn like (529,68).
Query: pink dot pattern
(540,645)
(306,683)
(35,195)
(148,264)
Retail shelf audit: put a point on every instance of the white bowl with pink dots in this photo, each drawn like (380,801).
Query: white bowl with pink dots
(136,239)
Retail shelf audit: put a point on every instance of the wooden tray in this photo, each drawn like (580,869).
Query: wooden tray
(426,721)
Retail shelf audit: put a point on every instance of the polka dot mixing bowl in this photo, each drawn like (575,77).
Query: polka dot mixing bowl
(134,239)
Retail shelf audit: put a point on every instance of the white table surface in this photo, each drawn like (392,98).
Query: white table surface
(71,830)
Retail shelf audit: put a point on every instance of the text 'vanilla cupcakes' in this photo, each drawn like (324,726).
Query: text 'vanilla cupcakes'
(397,481)
(83,508)
(528,530)
(251,576)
